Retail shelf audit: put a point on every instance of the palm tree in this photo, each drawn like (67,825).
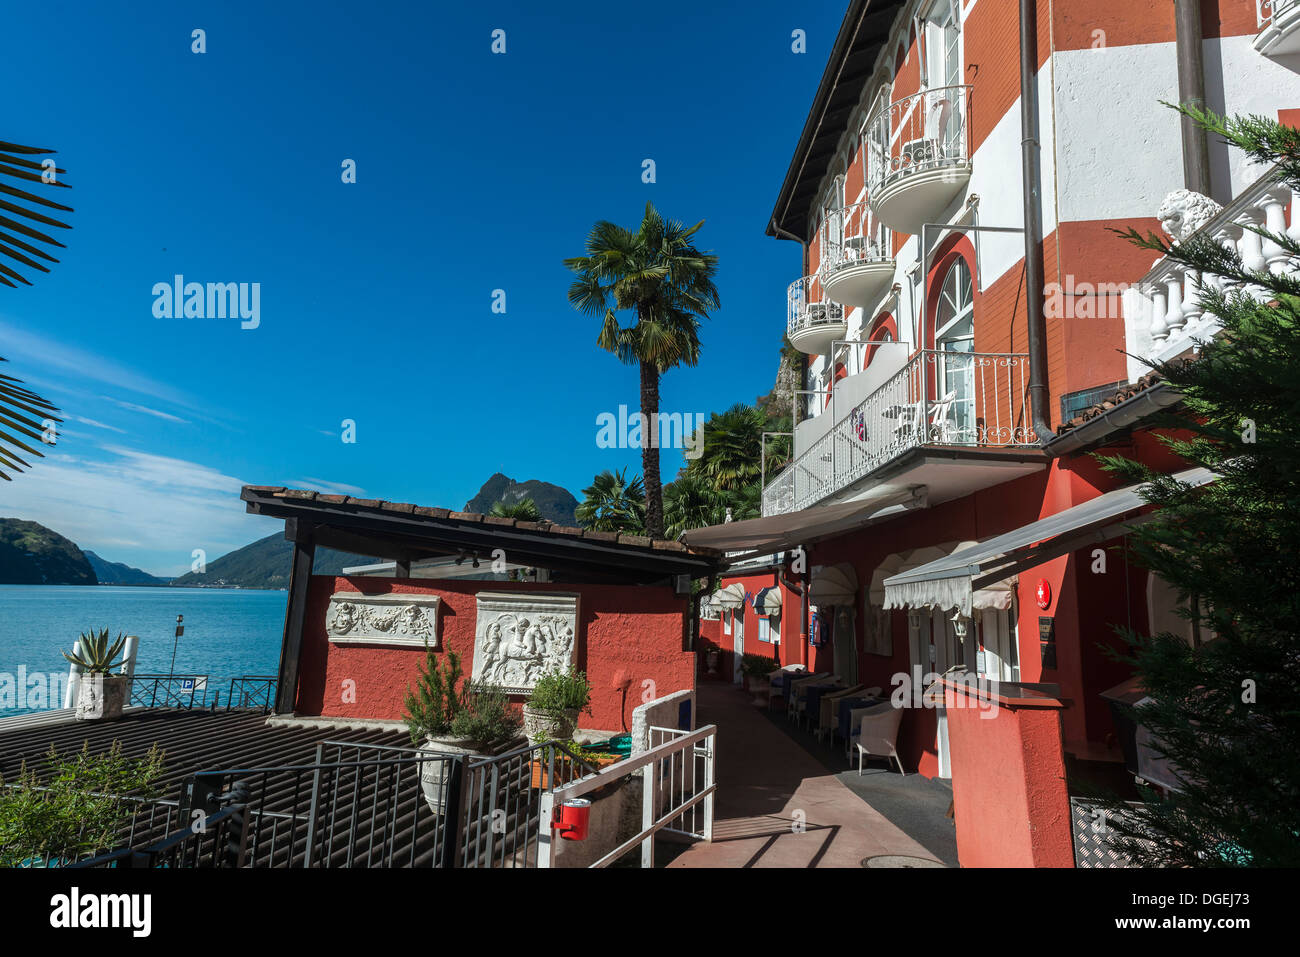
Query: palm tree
(525,510)
(21,409)
(729,458)
(656,273)
(692,502)
(613,504)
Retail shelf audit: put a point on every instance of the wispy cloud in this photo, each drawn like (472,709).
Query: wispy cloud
(329,488)
(133,407)
(147,510)
(97,424)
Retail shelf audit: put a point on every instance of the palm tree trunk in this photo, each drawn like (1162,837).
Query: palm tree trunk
(654,493)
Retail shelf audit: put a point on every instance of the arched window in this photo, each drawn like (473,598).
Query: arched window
(953,418)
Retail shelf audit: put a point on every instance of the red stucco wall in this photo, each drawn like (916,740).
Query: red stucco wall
(1010,801)
(629,642)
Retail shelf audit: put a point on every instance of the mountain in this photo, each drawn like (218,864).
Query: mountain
(265,564)
(555,503)
(31,554)
(116,573)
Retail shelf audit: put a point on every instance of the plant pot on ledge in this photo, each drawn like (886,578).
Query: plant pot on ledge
(101,697)
(542,724)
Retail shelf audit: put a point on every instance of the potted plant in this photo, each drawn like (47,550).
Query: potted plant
(446,716)
(100,695)
(565,769)
(551,712)
(756,669)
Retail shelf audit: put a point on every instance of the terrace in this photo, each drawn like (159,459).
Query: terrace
(938,405)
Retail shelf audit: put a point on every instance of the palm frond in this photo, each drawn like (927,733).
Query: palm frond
(15,164)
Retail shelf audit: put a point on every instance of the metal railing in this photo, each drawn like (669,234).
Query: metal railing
(940,397)
(503,803)
(925,131)
(851,236)
(806,306)
(677,777)
(246,692)
(1266,11)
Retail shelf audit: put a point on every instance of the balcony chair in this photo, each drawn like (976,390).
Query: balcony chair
(877,734)
(943,428)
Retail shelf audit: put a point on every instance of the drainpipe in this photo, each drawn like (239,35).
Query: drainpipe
(1191,91)
(1029,149)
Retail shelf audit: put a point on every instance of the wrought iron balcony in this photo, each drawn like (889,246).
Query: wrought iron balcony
(1163,315)
(918,156)
(857,262)
(939,398)
(813,322)
(1279,27)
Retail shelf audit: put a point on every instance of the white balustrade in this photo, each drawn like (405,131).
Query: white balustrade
(1164,315)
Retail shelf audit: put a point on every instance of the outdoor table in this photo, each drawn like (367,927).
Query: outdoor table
(813,696)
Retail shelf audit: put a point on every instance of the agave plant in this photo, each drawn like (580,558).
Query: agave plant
(97,653)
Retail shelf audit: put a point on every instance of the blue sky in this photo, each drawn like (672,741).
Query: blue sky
(475,172)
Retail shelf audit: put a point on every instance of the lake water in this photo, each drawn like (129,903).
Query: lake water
(228,632)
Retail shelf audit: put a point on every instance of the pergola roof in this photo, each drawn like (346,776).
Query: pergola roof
(862,35)
(405,532)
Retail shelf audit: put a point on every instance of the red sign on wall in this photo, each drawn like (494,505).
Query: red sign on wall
(1044,594)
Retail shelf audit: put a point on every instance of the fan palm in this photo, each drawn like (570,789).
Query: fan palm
(20,408)
(692,502)
(612,503)
(525,510)
(656,273)
(732,439)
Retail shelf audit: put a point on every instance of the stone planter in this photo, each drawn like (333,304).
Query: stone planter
(542,726)
(433,773)
(101,697)
(759,685)
(711,661)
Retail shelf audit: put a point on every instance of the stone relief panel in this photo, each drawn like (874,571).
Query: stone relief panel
(359,619)
(520,637)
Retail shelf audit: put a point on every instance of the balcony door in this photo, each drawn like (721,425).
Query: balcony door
(952,419)
(943,71)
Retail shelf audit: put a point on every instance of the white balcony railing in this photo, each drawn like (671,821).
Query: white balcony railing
(811,320)
(857,261)
(1163,314)
(939,398)
(918,155)
(1278,26)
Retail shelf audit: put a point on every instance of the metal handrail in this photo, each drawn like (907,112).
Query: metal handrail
(806,305)
(852,235)
(927,130)
(909,410)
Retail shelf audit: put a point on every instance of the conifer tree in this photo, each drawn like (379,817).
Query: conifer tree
(1226,707)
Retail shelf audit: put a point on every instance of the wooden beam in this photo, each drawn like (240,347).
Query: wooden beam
(304,554)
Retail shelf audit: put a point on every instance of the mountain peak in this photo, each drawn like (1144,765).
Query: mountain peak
(554,502)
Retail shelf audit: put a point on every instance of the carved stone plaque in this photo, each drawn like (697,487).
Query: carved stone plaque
(520,637)
(354,618)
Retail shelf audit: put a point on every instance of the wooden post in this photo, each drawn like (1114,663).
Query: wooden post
(402,569)
(304,553)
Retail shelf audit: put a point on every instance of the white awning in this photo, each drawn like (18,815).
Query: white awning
(731,597)
(952,582)
(833,585)
(994,596)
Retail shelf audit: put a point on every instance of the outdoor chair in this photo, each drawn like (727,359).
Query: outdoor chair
(877,734)
(810,706)
(943,429)
(853,727)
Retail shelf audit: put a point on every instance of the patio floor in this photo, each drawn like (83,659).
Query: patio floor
(772,776)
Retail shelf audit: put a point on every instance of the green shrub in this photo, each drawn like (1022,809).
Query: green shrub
(442,706)
(561,691)
(76,809)
(758,666)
